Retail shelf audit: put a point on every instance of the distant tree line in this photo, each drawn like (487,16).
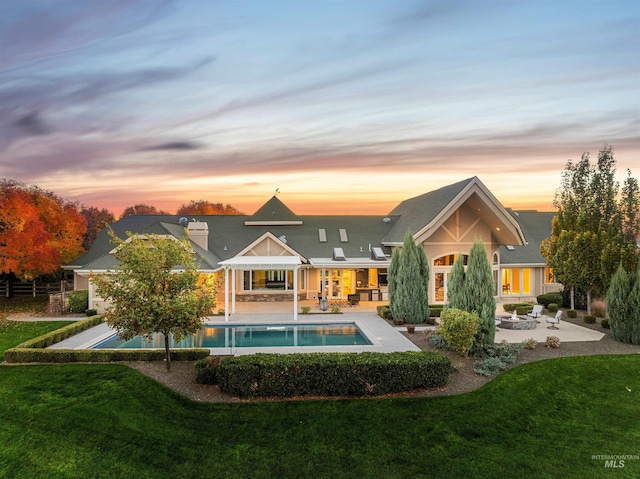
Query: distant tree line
(40,231)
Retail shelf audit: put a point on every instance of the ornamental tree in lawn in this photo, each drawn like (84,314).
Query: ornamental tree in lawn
(478,292)
(156,288)
(410,301)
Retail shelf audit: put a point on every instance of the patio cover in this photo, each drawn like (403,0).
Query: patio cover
(258,263)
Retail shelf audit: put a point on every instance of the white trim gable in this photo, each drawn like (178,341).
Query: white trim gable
(268,236)
(477,187)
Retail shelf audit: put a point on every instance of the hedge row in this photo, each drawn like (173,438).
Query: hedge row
(33,351)
(31,355)
(385,312)
(325,374)
(548,298)
(61,334)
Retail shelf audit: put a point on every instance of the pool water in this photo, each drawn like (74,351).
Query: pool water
(252,336)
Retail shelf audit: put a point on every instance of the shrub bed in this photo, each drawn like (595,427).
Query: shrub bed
(326,374)
(33,351)
(511,307)
(548,298)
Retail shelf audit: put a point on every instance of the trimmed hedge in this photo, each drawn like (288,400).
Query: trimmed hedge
(589,319)
(552,307)
(548,298)
(572,313)
(31,355)
(34,350)
(384,311)
(61,334)
(517,307)
(79,301)
(326,374)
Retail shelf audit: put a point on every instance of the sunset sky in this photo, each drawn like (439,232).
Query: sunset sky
(348,107)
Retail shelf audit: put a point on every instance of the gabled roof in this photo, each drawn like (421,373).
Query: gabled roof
(100,257)
(273,212)
(424,214)
(536,226)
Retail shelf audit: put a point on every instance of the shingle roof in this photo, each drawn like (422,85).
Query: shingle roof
(415,213)
(273,210)
(536,226)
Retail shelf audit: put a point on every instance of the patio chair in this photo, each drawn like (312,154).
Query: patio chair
(537,311)
(555,320)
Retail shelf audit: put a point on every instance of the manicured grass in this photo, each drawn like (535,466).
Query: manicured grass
(540,420)
(13,333)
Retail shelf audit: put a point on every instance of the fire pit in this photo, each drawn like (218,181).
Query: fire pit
(517,322)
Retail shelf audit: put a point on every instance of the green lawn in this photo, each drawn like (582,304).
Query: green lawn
(544,419)
(13,333)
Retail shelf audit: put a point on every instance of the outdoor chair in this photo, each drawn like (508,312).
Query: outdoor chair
(537,311)
(555,320)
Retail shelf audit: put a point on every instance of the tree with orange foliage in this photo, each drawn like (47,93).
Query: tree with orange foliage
(96,220)
(203,207)
(39,232)
(142,209)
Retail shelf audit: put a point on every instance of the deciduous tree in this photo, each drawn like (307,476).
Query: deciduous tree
(203,207)
(142,209)
(38,230)
(96,220)
(155,289)
(595,230)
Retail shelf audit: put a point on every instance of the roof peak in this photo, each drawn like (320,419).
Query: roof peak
(273,212)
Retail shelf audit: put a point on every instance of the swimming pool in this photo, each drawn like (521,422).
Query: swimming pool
(252,336)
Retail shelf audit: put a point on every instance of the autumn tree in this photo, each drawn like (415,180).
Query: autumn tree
(156,288)
(595,229)
(203,207)
(39,232)
(142,209)
(96,220)
(411,283)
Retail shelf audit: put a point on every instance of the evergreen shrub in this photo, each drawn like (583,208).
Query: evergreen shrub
(331,374)
(552,308)
(589,319)
(548,298)
(458,328)
(605,323)
(207,370)
(384,311)
(572,313)
(91,312)
(79,301)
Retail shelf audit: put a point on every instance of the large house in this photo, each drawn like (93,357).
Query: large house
(276,255)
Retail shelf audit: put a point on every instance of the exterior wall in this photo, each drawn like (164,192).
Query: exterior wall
(456,236)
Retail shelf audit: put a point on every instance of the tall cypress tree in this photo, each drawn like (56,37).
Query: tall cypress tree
(619,306)
(411,281)
(634,308)
(455,285)
(478,292)
(392,279)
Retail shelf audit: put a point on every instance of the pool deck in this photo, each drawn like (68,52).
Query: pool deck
(385,338)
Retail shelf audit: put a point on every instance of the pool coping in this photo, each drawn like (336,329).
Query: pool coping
(383,337)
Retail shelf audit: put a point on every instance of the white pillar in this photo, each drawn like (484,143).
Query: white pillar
(233,291)
(295,293)
(226,294)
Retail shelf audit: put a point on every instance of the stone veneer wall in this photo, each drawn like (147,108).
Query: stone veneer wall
(267,297)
